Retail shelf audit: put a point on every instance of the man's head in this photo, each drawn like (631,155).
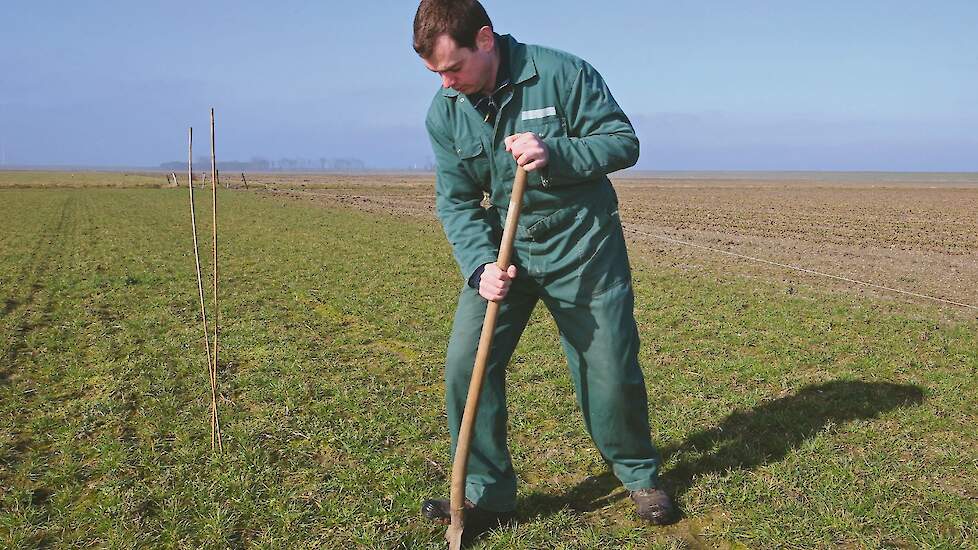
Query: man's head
(455,40)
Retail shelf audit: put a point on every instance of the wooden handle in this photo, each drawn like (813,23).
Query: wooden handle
(454,534)
(512,219)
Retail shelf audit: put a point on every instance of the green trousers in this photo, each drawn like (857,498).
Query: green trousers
(576,263)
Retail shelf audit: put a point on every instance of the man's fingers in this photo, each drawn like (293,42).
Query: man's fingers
(530,161)
(496,282)
(522,159)
(519,140)
(509,140)
(493,294)
(496,273)
(528,151)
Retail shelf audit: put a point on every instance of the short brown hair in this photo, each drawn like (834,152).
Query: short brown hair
(459,19)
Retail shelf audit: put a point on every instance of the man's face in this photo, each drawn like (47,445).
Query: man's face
(467,70)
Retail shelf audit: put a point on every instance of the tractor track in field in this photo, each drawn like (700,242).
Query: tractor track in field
(51,242)
(31,312)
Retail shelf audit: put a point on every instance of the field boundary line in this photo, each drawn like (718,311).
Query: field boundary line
(802,269)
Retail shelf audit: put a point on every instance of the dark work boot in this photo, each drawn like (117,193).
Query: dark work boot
(654,506)
(477,520)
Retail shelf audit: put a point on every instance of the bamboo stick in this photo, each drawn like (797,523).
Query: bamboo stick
(217,311)
(200,283)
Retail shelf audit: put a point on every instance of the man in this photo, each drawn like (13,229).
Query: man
(504,103)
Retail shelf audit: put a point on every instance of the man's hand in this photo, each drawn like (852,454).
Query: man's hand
(495,282)
(528,149)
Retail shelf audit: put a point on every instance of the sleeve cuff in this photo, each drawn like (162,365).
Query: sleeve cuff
(476,276)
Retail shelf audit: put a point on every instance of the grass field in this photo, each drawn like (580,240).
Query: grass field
(32,179)
(788,419)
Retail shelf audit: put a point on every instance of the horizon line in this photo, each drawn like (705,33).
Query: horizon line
(157,169)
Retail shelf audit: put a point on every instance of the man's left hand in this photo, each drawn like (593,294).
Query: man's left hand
(528,149)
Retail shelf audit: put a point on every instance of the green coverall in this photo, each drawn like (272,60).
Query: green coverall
(569,252)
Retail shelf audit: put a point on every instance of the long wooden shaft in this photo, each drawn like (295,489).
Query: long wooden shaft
(460,464)
(217,314)
(200,282)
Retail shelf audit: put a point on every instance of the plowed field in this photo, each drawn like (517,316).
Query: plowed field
(916,233)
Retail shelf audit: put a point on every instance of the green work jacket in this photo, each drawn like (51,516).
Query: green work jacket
(562,99)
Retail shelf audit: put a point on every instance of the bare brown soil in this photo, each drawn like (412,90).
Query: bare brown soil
(913,233)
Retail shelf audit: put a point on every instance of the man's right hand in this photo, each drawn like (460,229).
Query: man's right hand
(494,284)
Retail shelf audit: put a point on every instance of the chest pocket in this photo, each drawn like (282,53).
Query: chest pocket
(549,126)
(474,160)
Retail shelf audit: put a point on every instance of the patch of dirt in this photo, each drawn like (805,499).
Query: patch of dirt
(915,236)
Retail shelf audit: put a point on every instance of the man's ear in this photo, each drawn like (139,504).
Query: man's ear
(485,40)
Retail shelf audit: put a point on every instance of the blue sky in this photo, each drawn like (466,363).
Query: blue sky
(832,85)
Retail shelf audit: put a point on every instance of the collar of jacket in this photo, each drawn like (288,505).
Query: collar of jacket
(521,65)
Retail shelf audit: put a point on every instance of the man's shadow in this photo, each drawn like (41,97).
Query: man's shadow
(744,440)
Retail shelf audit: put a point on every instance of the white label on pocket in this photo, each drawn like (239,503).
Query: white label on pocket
(538,113)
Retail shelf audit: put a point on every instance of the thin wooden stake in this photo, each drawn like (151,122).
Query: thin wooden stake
(200,283)
(217,312)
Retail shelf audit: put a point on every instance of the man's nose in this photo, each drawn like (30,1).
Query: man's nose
(446,81)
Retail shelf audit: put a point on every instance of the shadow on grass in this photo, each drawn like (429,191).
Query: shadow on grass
(745,440)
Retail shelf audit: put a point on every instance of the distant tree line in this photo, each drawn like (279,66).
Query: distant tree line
(259,164)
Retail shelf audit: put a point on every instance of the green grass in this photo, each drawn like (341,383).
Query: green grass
(30,179)
(788,420)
